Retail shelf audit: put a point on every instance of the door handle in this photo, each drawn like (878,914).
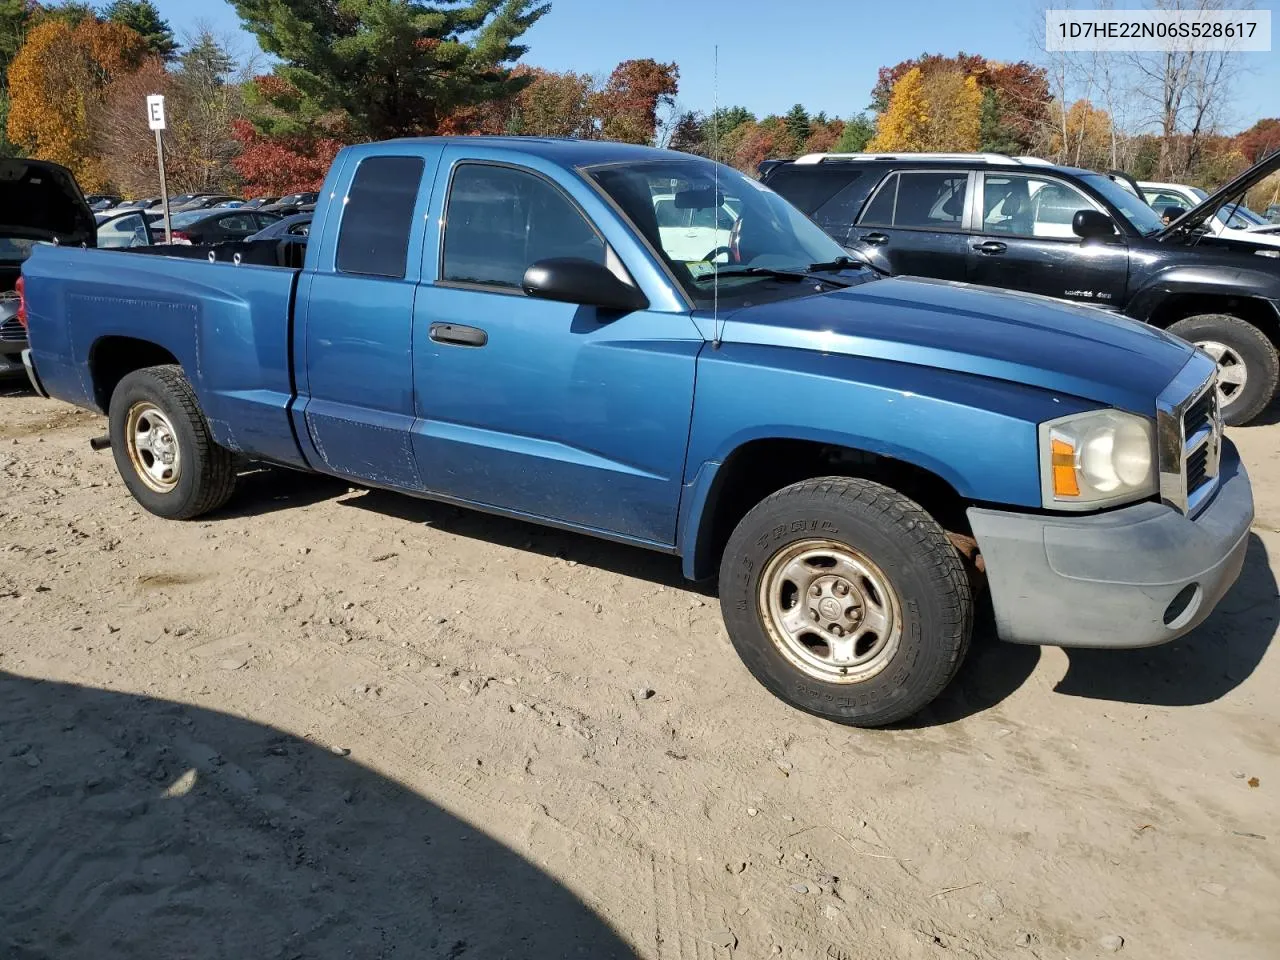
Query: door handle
(991,246)
(877,238)
(458,334)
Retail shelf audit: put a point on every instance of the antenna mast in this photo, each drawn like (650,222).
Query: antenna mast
(715,200)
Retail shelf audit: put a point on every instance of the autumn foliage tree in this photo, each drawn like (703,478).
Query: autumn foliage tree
(628,104)
(57,86)
(1260,140)
(289,144)
(1014,98)
(902,124)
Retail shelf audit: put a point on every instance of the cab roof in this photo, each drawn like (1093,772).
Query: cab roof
(566,152)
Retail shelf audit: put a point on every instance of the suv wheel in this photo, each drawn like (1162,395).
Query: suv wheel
(1248,367)
(846,599)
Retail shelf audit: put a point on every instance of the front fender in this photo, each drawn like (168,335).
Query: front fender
(977,434)
(1212,279)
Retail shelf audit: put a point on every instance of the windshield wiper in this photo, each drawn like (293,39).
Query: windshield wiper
(798,274)
(844,263)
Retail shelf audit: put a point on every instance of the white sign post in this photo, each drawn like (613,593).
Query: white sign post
(155,120)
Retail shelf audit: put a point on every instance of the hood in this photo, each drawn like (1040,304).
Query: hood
(1197,215)
(41,201)
(1080,351)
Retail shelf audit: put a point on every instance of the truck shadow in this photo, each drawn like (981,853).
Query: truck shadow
(138,827)
(588,551)
(1199,668)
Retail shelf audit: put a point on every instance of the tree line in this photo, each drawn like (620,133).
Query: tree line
(76,75)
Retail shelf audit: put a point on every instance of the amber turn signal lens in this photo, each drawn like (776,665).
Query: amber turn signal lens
(1065,483)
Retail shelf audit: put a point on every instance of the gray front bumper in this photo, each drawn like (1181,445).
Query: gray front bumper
(1107,580)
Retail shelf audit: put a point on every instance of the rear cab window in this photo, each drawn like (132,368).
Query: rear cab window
(373,237)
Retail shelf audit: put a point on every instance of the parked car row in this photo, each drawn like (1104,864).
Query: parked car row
(183,202)
(528,327)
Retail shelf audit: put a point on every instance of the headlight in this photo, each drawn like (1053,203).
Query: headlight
(1096,459)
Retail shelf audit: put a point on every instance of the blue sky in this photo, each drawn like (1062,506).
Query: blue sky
(822,53)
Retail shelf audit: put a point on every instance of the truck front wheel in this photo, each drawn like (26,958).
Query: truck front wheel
(163,448)
(1248,368)
(846,599)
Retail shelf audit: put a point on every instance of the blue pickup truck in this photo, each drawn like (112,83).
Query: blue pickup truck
(514,325)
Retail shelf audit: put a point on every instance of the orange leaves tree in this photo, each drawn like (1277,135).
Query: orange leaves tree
(628,104)
(57,84)
(290,143)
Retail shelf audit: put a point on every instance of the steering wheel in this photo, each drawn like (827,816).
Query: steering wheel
(710,257)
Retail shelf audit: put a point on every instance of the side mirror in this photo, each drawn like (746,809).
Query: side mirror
(574,280)
(1172,212)
(1092,225)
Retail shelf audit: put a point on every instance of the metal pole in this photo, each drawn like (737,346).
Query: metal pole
(164,187)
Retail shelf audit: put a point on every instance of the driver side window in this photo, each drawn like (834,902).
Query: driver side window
(499,221)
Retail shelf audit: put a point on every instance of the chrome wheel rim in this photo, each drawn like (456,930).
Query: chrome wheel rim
(153,447)
(1232,372)
(830,611)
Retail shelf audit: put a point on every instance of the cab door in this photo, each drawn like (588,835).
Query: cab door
(558,411)
(355,317)
(1024,241)
(914,224)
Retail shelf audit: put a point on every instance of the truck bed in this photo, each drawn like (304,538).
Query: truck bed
(228,324)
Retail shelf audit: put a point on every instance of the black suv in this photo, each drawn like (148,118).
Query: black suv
(1066,233)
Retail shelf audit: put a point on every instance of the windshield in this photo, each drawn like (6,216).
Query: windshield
(700,232)
(1138,213)
(1241,217)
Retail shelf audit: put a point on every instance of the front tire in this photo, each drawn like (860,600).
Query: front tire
(845,599)
(1248,367)
(163,448)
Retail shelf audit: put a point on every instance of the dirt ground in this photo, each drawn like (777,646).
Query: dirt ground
(329,722)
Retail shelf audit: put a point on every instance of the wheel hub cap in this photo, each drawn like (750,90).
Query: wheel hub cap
(1232,372)
(153,447)
(830,611)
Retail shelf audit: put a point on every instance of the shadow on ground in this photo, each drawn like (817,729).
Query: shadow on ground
(519,535)
(1199,668)
(133,827)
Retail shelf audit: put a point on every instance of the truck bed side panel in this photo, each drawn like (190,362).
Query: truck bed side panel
(227,325)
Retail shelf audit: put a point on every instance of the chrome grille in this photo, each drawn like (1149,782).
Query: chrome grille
(1189,431)
(12,330)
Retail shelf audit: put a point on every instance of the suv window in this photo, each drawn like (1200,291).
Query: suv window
(373,239)
(500,221)
(929,199)
(1030,206)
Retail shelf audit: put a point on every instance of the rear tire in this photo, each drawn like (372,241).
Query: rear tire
(1248,366)
(163,448)
(845,599)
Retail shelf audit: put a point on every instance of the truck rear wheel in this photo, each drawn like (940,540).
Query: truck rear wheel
(163,447)
(1248,367)
(846,599)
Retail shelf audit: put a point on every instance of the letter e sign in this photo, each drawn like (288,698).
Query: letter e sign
(155,111)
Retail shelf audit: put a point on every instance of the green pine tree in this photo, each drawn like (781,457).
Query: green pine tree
(858,131)
(393,67)
(143,17)
(797,123)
